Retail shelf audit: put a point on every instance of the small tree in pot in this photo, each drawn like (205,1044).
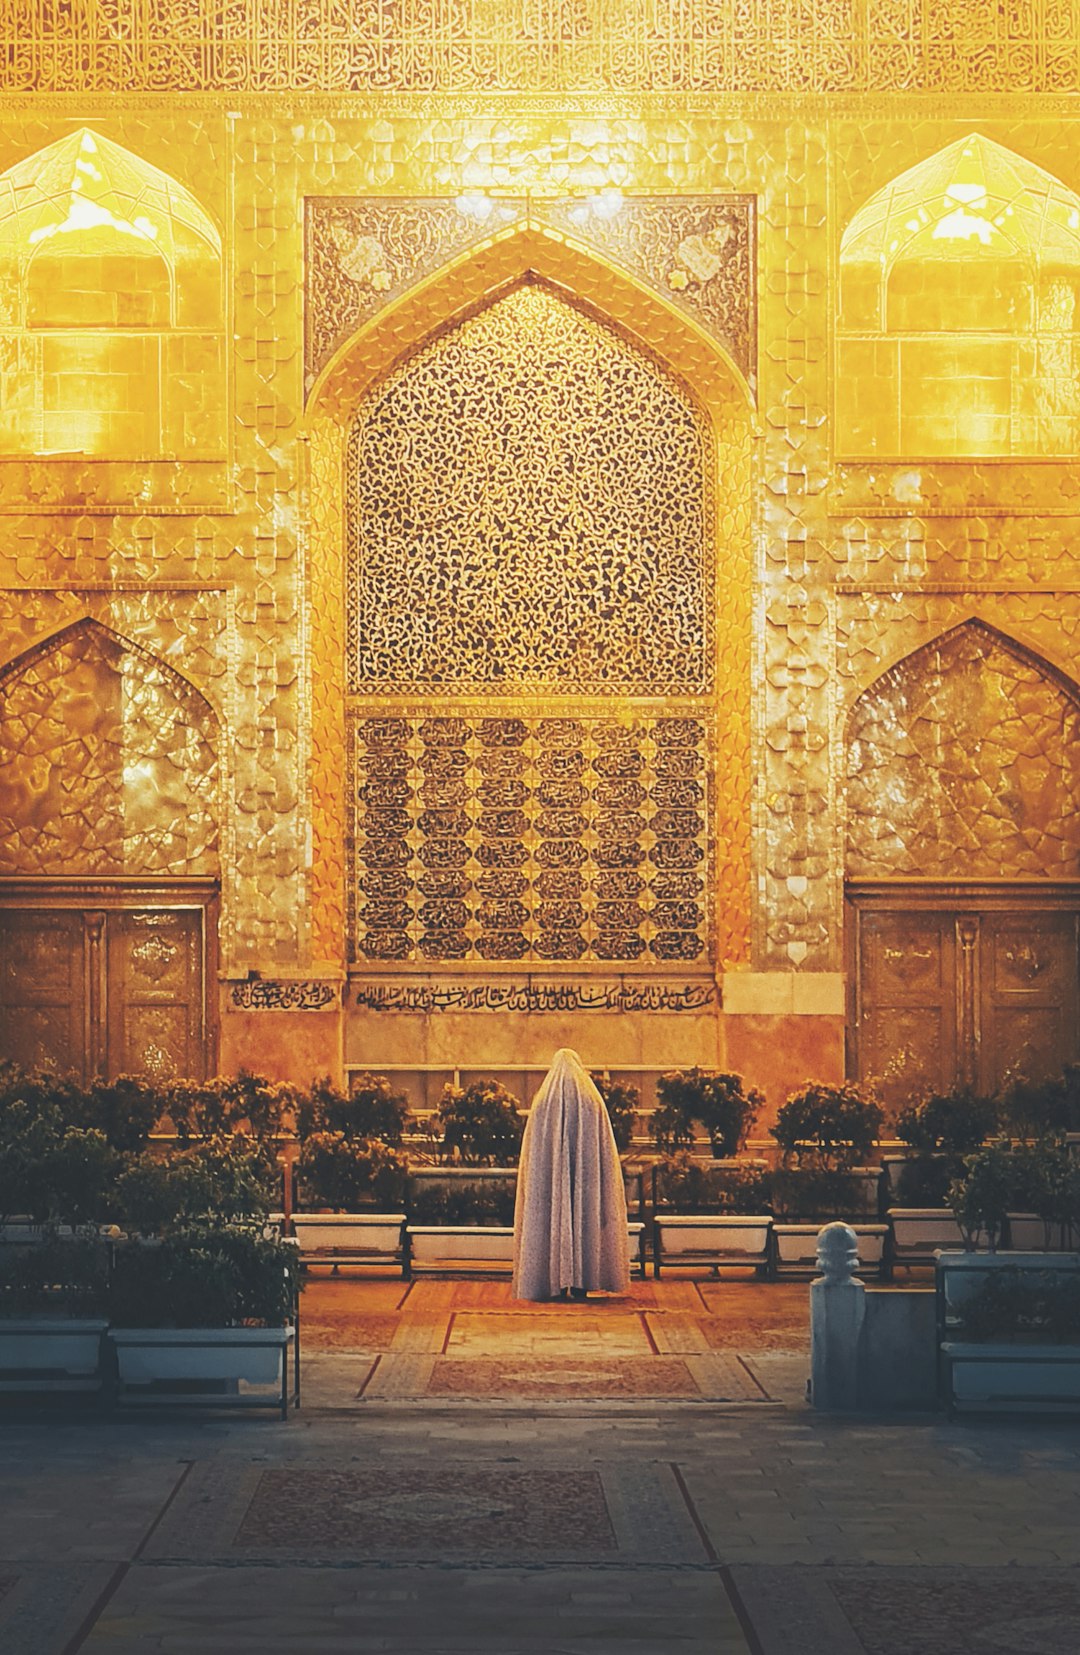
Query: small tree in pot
(718,1101)
(621,1100)
(480,1124)
(347,1174)
(942,1128)
(824,1132)
(372,1109)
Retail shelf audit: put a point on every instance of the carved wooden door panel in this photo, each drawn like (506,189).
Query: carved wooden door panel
(44,1003)
(1029,1002)
(155,988)
(905,1002)
(961,985)
(116,989)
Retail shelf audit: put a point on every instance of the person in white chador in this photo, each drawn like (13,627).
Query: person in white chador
(570,1215)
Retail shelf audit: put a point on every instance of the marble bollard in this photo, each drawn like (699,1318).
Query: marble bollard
(837,1313)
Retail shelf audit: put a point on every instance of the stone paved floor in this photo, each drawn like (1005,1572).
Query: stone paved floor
(579,1525)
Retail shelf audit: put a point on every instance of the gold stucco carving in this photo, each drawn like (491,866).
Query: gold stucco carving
(537,838)
(591,45)
(700,252)
(109,762)
(528,502)
(963,761)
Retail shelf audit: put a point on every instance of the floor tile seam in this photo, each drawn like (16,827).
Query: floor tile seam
(627,1564)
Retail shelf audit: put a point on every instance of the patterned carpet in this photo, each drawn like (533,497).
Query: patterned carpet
(470,1341)
(906,1611)
(243,1513)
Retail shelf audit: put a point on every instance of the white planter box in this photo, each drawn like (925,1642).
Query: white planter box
(1020,1378)
(151,1355)
(51,1353)
(453,1246)
(796,1246)
(341,1237)
(711,1239)
(1028,1234)
(918,1232)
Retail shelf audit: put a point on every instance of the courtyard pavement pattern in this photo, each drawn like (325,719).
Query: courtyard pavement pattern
(539,1480)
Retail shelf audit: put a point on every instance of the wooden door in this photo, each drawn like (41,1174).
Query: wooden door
(961,985)
(116,989)
(44,1004)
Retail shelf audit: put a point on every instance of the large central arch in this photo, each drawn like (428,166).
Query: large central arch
(373,353)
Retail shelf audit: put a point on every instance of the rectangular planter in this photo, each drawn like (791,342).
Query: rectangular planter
(795,1248)
(1011,1378)
(173,1364)
(917,1233)
(452,1247)
(712,1239)
(1027,1234)
(350,1238)
(40,1353)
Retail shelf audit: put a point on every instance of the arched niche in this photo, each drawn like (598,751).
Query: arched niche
(111,307)
(963,762)
(958,322)
(110,764)
(532,255)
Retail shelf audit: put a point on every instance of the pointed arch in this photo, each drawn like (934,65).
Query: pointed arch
(523,249)
(950,276)
(468,284)
(963,760)
(109,758)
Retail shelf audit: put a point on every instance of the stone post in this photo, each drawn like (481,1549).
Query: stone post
(837,1311)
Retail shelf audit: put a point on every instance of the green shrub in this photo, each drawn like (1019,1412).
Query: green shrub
(949,1123)
(51,1172)
(54,1278)
(809,1193)
(372,1109)
(480,1124)
(1035,1109)
(124,1111)
(226,1178)
(231,1277)
(718,1101)
(218,1108)
(982,1196)
(1026,1306)
(463,1203)
(347,1173)
(828,1126)
(688,1186)
(621,1100)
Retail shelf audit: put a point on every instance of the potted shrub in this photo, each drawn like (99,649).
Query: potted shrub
(228,1178)
(227,1104)
(202,1311)
(479,1124)
(717,1101)
(622,1101)
(826,1134)
(710,1215)
(359,1185)
(1043,1108)
(51,1174)
(1044,1210)
(1009,1326)
(372,1109)
(52,1314)
(940,1129)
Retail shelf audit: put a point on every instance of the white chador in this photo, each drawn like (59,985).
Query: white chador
(570,1215)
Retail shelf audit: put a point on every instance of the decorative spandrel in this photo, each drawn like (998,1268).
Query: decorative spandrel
(510,838)
(363,252)
(527,508)
(109,763)
(964,761)
(700,252)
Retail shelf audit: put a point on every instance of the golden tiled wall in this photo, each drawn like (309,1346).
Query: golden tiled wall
(845,556)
